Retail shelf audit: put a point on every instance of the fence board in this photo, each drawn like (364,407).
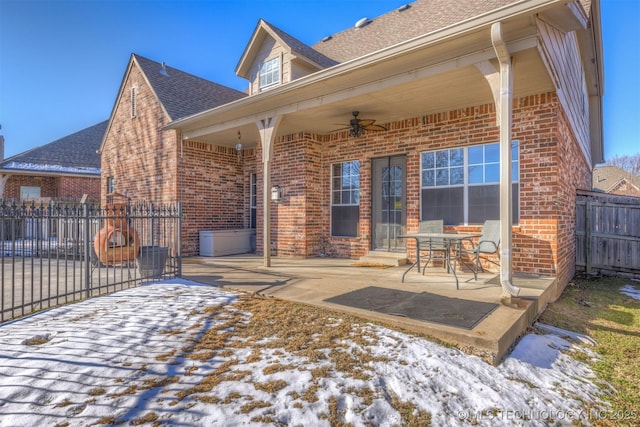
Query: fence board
(607,234)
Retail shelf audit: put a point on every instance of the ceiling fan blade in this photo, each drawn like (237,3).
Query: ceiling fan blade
(365,122)
(344,128)
(374,127)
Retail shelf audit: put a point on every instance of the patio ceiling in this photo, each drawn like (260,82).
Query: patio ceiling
(419,77)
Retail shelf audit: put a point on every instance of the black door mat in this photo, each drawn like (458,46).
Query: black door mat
(460,313)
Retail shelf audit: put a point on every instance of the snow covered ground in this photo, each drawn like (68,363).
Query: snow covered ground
(120,359)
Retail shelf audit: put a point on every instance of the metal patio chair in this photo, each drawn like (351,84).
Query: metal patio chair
(487,244)
(436,248)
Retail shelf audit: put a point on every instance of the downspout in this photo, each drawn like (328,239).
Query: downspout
(505,115)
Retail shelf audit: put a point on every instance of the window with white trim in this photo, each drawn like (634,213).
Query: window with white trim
(28,192)
(111,185)
(253,200)
(462,185)
(269,73)
(345,198)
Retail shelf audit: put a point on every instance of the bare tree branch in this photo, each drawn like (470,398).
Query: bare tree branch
(629,163)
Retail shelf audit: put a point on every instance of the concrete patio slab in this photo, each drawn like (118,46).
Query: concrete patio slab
(314,280)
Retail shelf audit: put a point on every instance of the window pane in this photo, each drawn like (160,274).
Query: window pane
(443,203)
(346,197)
(336,170)
(476,155)
(446,168)
(442,177)
(475,174)
(337,182)
(514,150)
(335,198)
(428,178)
(457,157)
(492,153)
(428,161)
(484,203)
(442,159)
(355,168)
(457,176)
(492,173)
(344,221)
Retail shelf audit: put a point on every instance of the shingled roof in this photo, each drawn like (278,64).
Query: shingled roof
(183,94)
(608,178)
(300,48)
(404,23)
(73,154)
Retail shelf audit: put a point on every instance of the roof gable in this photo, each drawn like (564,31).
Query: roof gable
(265,30)
(183,94)
(75,153)
(609,178)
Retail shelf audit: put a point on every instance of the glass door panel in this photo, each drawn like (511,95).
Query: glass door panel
(388,198)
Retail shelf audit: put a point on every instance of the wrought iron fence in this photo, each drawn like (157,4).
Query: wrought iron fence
(56,253)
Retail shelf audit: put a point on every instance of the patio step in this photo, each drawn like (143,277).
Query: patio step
(394,259)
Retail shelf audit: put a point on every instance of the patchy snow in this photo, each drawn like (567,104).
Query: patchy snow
(50,168)
(630,291)
(105,359)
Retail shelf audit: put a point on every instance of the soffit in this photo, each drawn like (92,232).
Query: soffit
(419,80)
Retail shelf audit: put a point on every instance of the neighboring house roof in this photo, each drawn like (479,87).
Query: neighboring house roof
(73,154)
(404,23)
(183,94)
(298,48)
(610,179)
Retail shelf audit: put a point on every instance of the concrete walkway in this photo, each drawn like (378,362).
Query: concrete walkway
(313,280)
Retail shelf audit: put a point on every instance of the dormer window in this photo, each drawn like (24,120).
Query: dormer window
(270,73)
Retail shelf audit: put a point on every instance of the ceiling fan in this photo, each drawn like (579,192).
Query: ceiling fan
(358,126)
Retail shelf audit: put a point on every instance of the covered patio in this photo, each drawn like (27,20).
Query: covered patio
(330,282)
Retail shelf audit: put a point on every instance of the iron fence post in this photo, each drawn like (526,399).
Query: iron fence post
(86,249)
(179,238)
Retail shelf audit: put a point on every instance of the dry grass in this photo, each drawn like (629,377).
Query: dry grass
(597,308)
(37,340)
(259,327)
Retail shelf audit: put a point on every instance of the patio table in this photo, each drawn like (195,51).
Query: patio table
(452,241)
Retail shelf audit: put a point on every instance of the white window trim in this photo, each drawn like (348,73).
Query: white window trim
(466,183)
(274,69)
(332,189)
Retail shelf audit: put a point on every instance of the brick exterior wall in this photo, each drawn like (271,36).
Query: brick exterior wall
(140,157)
(213,181)
(552,167)
(149,164)
(68,187)
(48,185)
(76,187)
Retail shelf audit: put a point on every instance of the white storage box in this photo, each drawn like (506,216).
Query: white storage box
(225,242)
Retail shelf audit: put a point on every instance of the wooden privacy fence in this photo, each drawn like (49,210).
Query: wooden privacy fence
(607,234)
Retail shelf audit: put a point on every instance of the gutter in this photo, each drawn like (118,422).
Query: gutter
(459,29)
(505,113)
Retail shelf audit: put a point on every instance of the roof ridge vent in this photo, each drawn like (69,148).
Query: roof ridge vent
(362,22)
(326,38)
(403,7)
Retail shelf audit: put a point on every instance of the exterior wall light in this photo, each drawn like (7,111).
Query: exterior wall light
(276,194)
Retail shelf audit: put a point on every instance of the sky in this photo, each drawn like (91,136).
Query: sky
(122,356)
(62,62)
